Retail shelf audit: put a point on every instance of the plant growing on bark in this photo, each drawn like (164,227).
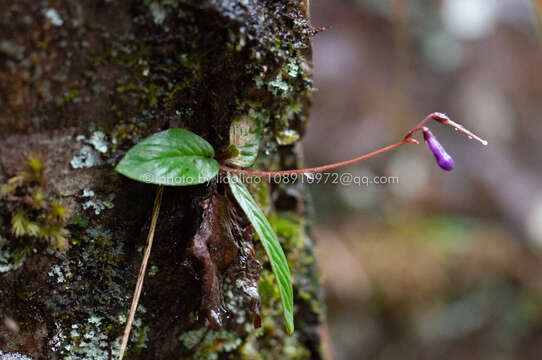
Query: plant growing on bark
(42,214)
(178,157)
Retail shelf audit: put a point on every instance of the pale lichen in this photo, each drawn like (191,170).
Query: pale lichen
(53,16)
(279,87)
(85,341)
(292,68)
(86,158)
(61,272)
(99,141)
(90,339)
(13,356)
(97,203)
(10,260)
(158,12)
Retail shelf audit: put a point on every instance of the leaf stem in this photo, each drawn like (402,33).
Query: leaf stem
(407,139)
(142,271)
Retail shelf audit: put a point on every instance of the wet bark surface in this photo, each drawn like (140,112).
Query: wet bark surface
(82,82)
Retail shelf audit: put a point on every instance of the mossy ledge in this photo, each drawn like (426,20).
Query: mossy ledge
(80,83)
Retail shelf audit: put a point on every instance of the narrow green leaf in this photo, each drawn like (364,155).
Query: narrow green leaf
(271,245)
(174,157)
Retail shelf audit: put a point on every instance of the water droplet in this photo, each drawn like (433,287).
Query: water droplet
(455,129)
(470,137)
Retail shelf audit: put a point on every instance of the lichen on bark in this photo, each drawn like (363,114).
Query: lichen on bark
(80,83)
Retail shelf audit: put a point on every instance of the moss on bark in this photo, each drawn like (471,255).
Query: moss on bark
(80,83)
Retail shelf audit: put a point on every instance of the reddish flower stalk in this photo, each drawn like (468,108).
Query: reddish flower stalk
(444,119)
(440,117)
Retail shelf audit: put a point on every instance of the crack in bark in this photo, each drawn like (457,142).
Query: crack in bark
(224,250)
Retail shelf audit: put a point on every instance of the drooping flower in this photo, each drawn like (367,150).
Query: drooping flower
(444,160)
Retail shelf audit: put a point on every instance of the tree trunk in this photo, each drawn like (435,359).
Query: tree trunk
(82,82)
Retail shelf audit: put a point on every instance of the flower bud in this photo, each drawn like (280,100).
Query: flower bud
(444,160)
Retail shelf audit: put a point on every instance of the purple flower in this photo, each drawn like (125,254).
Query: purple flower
(444,160)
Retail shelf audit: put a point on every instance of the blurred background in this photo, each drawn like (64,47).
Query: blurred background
(440,265)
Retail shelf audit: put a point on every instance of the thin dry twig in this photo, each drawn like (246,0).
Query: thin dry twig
(142,271)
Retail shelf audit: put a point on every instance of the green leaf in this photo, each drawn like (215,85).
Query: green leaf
(245,135)
(175,157)
(271,245)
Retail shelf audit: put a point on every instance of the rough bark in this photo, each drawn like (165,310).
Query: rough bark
(82,82)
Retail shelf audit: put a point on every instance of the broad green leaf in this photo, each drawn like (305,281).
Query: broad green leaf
(175,157)
(245,138)
(271,245)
